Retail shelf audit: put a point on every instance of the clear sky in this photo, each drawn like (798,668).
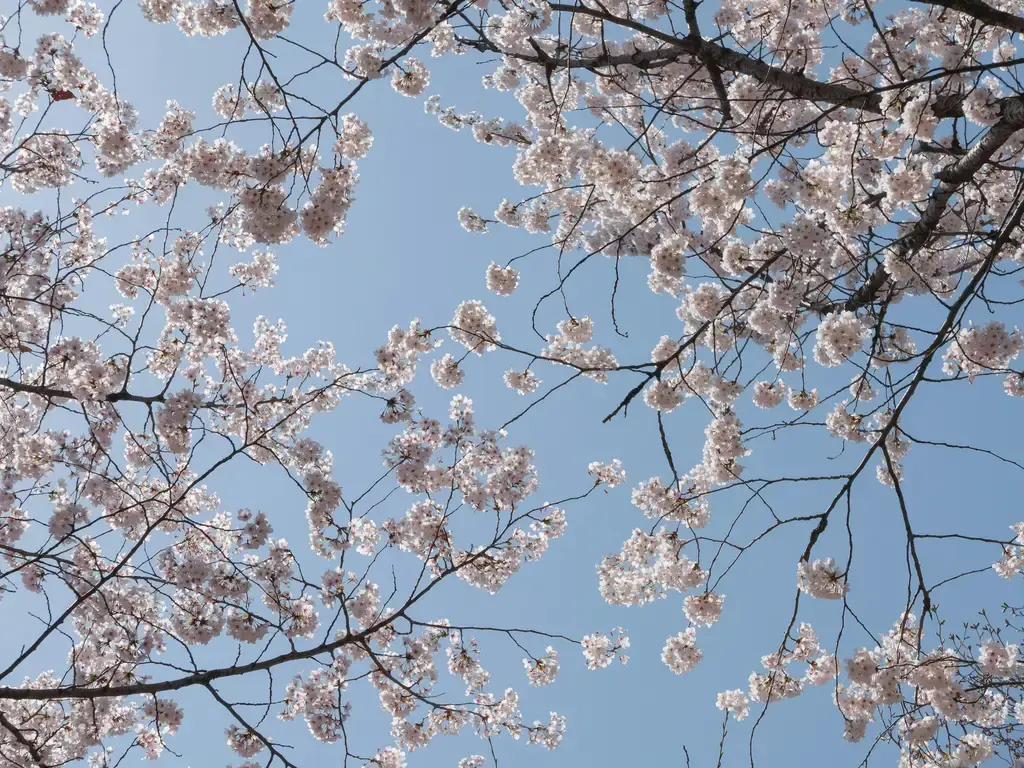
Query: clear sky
(403,256)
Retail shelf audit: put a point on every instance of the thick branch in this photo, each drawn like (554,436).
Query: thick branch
(199,678)
(950,180)
(52,393)
(712,54)
(21,739)
(714,72)
(983,12)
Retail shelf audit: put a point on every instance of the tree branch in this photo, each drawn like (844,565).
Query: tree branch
(981,11)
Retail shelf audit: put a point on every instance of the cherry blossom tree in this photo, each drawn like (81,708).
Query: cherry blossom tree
(828,195)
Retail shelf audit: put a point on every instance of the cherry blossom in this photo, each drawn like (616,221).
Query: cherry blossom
(820,206)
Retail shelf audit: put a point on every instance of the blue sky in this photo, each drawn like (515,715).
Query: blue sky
(404,255)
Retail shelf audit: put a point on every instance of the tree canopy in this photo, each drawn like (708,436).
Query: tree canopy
(828,196)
